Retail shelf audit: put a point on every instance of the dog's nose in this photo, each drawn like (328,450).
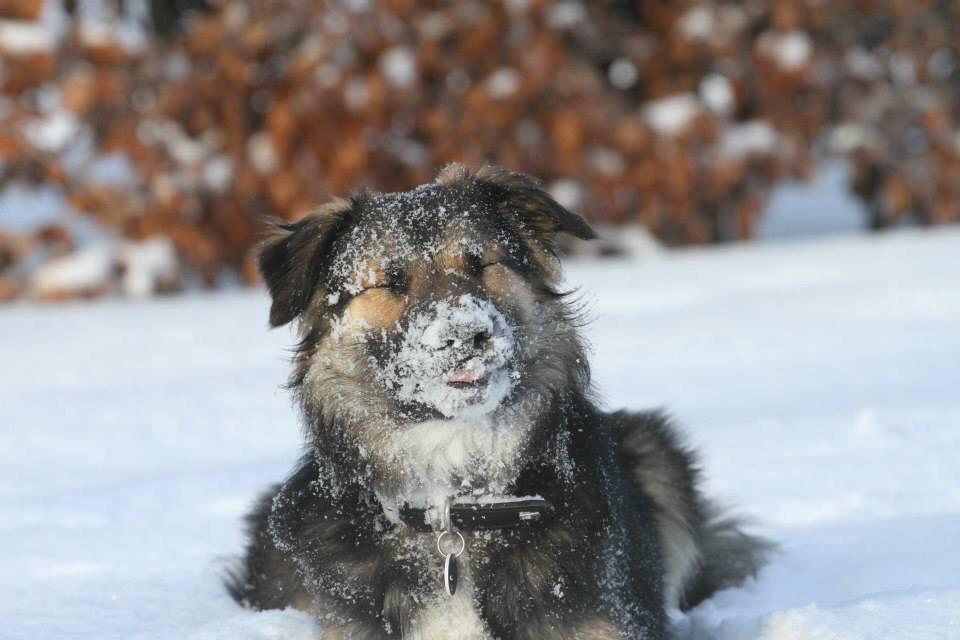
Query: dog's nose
(480,339)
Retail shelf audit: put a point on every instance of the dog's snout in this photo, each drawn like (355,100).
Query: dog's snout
(467,337)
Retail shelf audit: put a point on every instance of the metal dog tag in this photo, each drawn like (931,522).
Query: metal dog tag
(451,572)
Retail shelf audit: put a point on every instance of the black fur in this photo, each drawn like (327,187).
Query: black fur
(625,490)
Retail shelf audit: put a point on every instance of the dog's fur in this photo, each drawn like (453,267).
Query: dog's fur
(394,292)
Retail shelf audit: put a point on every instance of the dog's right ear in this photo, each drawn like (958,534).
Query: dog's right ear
(291,258)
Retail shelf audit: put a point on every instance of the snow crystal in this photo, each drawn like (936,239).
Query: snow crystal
(672,114)
(503,83)
(399,67)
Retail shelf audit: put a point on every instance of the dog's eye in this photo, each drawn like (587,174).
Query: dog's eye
(476,264)
(396,280)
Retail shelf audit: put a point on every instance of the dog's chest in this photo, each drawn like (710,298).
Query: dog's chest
(443,457)
(452,618)
(447,617)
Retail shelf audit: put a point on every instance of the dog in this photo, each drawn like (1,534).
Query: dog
(459,479)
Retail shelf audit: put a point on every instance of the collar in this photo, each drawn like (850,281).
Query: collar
(503,512)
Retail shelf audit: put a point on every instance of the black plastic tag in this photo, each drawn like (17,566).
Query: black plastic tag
(451,573)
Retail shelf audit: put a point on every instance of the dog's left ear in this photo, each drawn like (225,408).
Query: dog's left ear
(290,260)
(522,198)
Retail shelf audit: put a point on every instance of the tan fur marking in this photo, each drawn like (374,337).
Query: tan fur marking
(451,258)
(374,309)
(501,282)
(329,633)
(597,629)
(453,172)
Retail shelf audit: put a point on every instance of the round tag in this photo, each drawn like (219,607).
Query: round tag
(451,572)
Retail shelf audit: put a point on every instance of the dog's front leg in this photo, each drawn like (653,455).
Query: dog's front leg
(542,591)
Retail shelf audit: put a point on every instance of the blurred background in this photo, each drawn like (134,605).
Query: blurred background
(142,141)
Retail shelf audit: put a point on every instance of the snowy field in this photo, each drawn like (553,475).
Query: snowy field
(821,380)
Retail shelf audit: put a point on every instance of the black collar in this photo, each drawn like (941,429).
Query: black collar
(503,513)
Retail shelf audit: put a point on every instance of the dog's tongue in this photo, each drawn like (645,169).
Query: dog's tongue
(465,375)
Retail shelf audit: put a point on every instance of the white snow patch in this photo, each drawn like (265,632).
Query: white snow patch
(261,153)
(671,115)
(717,93)
(568,193)
(399,67)
(53,132)
(566,14)
(622,73)
(824,205)
(218,172)
(503,83)
(791,50)
(818,379)
(756,137)
(147,266)
(80,272)
(21,37)
(697,23)
(423,370)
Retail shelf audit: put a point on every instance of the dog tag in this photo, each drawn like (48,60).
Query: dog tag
(451,572)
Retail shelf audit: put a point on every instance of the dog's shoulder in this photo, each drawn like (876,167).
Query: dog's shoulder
(703,549)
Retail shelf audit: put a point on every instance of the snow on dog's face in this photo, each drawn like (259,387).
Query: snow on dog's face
(423,307)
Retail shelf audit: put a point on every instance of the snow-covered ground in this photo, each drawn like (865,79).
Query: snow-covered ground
(820,380)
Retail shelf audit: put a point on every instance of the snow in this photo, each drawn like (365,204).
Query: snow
(754,137)
(261,153)
(819,380)
(53,132)
(399,66)
(717,93)
(503,83)
(697,23)
(622,73)
(672,114)
(21,37)
(81,272)
(427,358)
(825,205)
(791,50)
(147,265)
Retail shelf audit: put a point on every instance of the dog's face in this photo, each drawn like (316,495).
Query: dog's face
(437,304)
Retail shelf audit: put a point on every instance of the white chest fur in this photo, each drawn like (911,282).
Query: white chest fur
(452,617)
(439,458)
